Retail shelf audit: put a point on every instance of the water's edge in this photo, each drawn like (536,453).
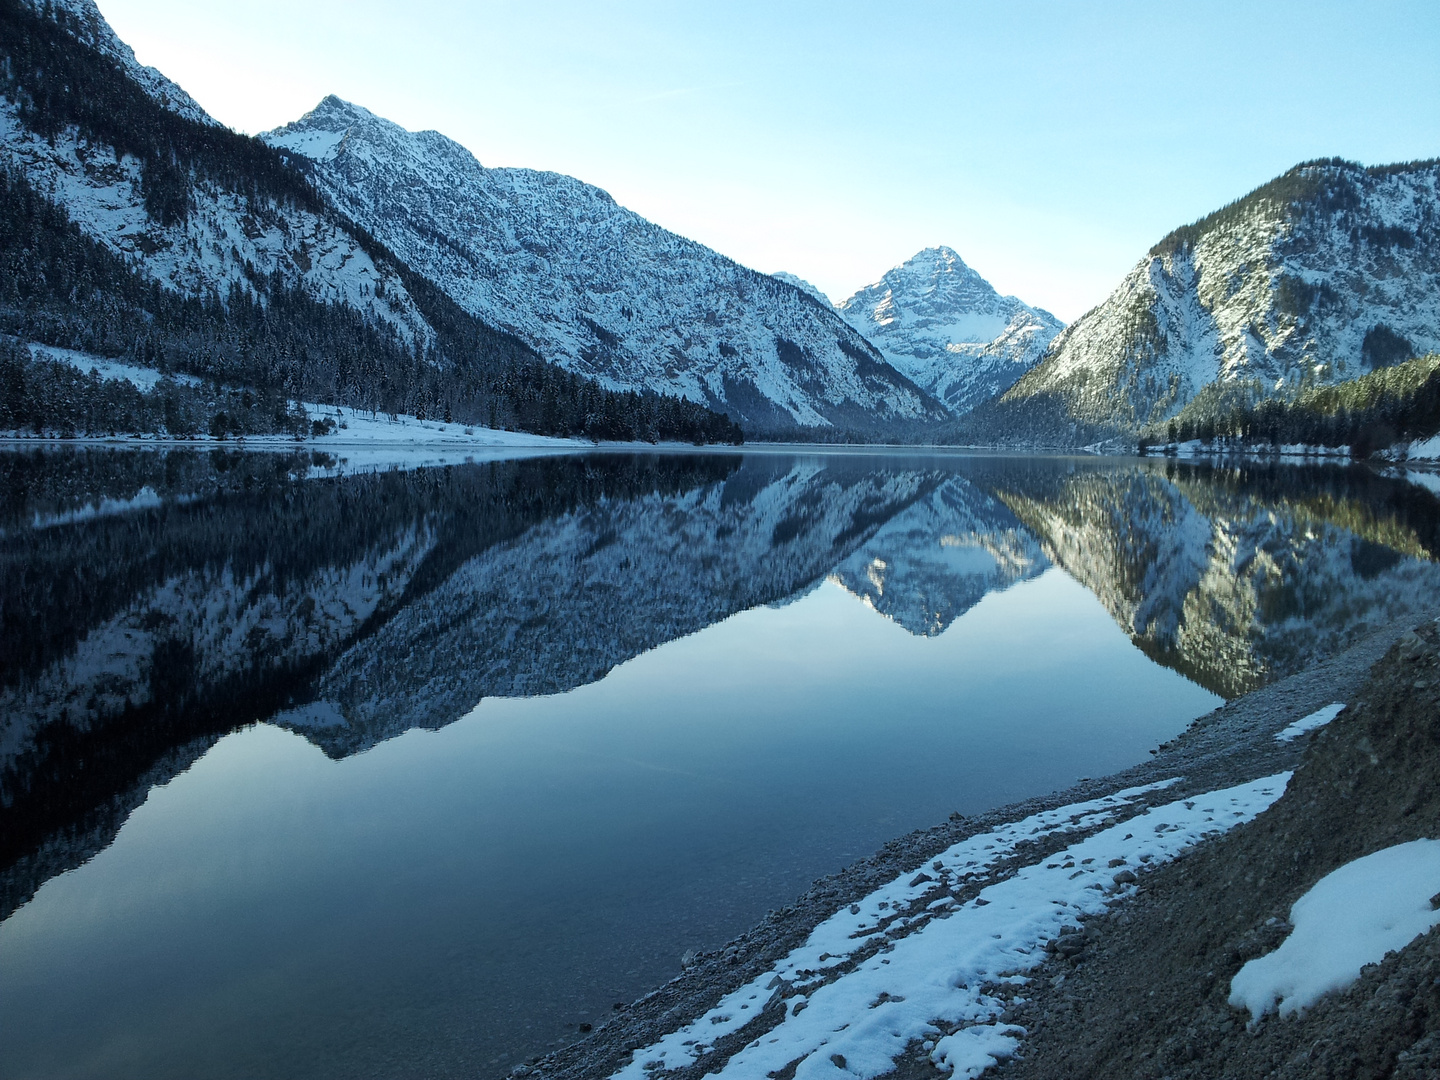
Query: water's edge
(1233,744)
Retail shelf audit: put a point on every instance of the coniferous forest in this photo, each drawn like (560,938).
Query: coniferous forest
(1366,414)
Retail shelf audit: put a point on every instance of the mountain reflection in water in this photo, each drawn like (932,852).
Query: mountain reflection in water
(152,603)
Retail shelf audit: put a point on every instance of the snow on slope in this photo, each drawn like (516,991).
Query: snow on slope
(209,250)
(83,19)
(848,1010)
(226,237)
(1286,287)
(1351,917)
(597,288)
(801,284)
(947,328)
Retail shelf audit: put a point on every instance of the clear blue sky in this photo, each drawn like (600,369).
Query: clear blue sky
(1050,143)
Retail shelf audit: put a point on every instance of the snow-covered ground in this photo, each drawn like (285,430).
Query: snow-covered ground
(364,440)
(1351,917)
(1317,719)
(142,378)
(936,966)
(1420,450)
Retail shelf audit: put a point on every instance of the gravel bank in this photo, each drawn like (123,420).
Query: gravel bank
(1232,745)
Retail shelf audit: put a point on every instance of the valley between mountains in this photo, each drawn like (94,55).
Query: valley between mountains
(390,270)
(340,284)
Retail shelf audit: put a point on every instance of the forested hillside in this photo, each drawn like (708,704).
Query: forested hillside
(1371,413)
(276,318)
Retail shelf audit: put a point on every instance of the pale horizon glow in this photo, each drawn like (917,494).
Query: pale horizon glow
(1050,144)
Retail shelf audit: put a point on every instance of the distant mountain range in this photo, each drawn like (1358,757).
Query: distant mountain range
(348,260)
(596,288)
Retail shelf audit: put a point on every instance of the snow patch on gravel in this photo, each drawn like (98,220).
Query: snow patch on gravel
(1351,917)
(1317,719)
(859,1023)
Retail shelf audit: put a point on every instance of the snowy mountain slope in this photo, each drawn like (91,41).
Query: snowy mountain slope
(803,285)
(1325,273)
(83,19)
(947,328)
(228,238)
(266,285)
(934,561)
(597,288)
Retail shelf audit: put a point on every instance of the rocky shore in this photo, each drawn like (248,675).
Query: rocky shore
(1141,988)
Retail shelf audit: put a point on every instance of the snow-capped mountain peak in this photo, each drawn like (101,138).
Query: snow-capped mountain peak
(947,328)
(595,287)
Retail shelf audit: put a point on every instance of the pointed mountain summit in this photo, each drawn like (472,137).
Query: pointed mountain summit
(946,327)
(596,288)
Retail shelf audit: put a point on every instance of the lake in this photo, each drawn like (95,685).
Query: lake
(410,773)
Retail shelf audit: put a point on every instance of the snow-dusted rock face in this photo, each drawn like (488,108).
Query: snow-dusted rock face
(83,19)
(803,285)
(596,288)
(1321,275)
(225,233)
(947,328)
(229,238)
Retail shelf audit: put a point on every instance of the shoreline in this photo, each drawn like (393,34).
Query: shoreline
(1231,745)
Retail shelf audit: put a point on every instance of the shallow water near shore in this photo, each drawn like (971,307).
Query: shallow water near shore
(411,774)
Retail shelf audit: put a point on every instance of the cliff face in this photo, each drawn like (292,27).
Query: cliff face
(1325,273)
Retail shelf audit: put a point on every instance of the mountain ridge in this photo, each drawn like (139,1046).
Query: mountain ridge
(1329,271)
(138,231)
(950,330)
(597,288)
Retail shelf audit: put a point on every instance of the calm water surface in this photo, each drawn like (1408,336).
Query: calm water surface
(410,774)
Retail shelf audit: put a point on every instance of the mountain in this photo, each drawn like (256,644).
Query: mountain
(133,227)
(596,288)
(1326,273)
(801,284)
(947,328)
(82,20)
